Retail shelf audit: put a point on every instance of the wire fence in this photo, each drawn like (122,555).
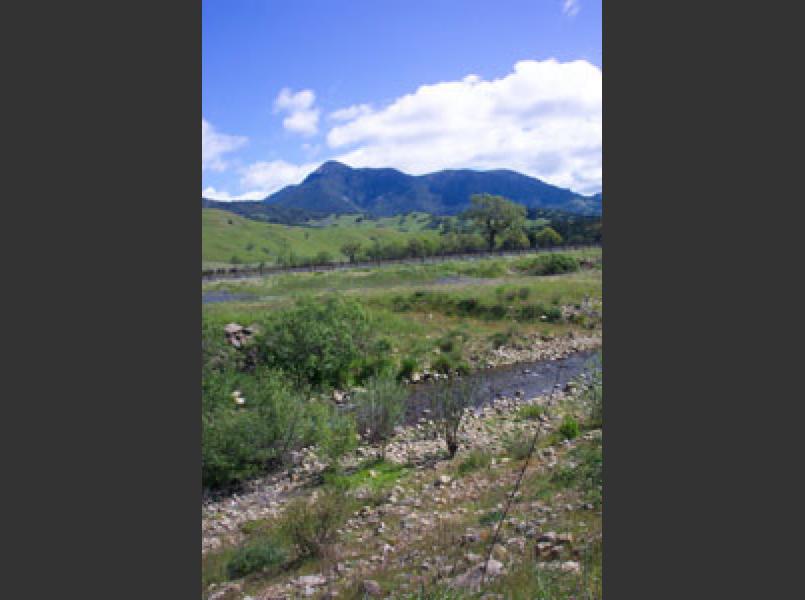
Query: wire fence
(262,270)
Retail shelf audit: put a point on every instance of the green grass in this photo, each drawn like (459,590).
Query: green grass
(225,236)
(376,475)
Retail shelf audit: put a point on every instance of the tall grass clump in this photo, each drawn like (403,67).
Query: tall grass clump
(379,409)
(255,556)
(311,526)
(448,403)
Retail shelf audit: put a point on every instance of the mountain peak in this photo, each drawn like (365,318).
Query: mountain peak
(329,167)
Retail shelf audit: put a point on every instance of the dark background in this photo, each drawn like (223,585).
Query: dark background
(101,434)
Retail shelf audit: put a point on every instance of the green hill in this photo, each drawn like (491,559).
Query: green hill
(227,238)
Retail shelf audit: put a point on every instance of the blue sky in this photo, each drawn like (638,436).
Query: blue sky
(415,85)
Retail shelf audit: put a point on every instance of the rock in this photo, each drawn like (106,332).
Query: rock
(494,568)
(312,580)
(549,537)
(233,328)
(570,566)
(443,480)
(372,588)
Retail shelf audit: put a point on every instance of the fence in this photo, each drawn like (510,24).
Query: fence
(259,271)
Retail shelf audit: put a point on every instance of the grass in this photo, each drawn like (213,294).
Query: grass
(225,236)
(376,475)
(432,323)
(531,412)
(475,460)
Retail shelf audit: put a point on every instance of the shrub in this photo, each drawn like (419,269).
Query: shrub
(241,441)
(587,474)
(408,367)
(569,428)
(552,264)
(380,408)
(475,460)
(490,517)
(337,436)
(531,412)
(317,341)
(255,556)
(311,527)
(517,447)
(448,403)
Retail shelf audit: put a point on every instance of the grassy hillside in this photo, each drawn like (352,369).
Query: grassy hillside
(225,236)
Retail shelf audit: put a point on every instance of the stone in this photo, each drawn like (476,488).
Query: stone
(312,580)
(548,537)
(570,566)
(494,568)
(372,588)
(443,480)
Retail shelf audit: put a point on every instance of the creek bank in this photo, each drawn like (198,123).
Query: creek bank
(413,444)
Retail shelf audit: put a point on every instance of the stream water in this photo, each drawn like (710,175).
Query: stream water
(532,379)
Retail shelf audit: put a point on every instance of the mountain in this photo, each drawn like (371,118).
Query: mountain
(337,188)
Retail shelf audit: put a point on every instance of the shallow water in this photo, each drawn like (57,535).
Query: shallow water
(213,296)
(533,379)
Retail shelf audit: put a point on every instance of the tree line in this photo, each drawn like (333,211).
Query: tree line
(490,223)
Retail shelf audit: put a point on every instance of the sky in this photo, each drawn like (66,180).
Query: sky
(417,85)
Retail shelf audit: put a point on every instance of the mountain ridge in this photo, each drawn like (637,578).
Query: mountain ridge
(335,188)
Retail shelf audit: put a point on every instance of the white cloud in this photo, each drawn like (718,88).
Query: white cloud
(350,112)
(212,194)
(302,116)
(215,145)
(570,7)
(544,119)
(265,178)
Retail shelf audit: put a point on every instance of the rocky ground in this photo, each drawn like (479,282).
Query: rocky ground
(429,527)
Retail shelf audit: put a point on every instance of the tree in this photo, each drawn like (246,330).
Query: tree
(351,250)
(516,240)
(495,215)
(547,237)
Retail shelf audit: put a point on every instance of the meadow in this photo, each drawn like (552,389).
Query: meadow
(229,239)
(354,505)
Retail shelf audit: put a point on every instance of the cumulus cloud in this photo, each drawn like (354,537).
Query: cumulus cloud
(214,145)
(265,178)
(543,119)
(350,112)
(570,7)
(213,194)
(302,117)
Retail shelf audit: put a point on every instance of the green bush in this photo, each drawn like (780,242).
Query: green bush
(380,408)
(242,441)
(311,527)
(255,556)
(490,518)
(517,446)
(317,341)
(588,473)
(551,264)
(448,403)
(408,367)
(569,428)
(475,460)
(531,412)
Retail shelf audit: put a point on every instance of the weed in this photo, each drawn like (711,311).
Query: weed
(255,556)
